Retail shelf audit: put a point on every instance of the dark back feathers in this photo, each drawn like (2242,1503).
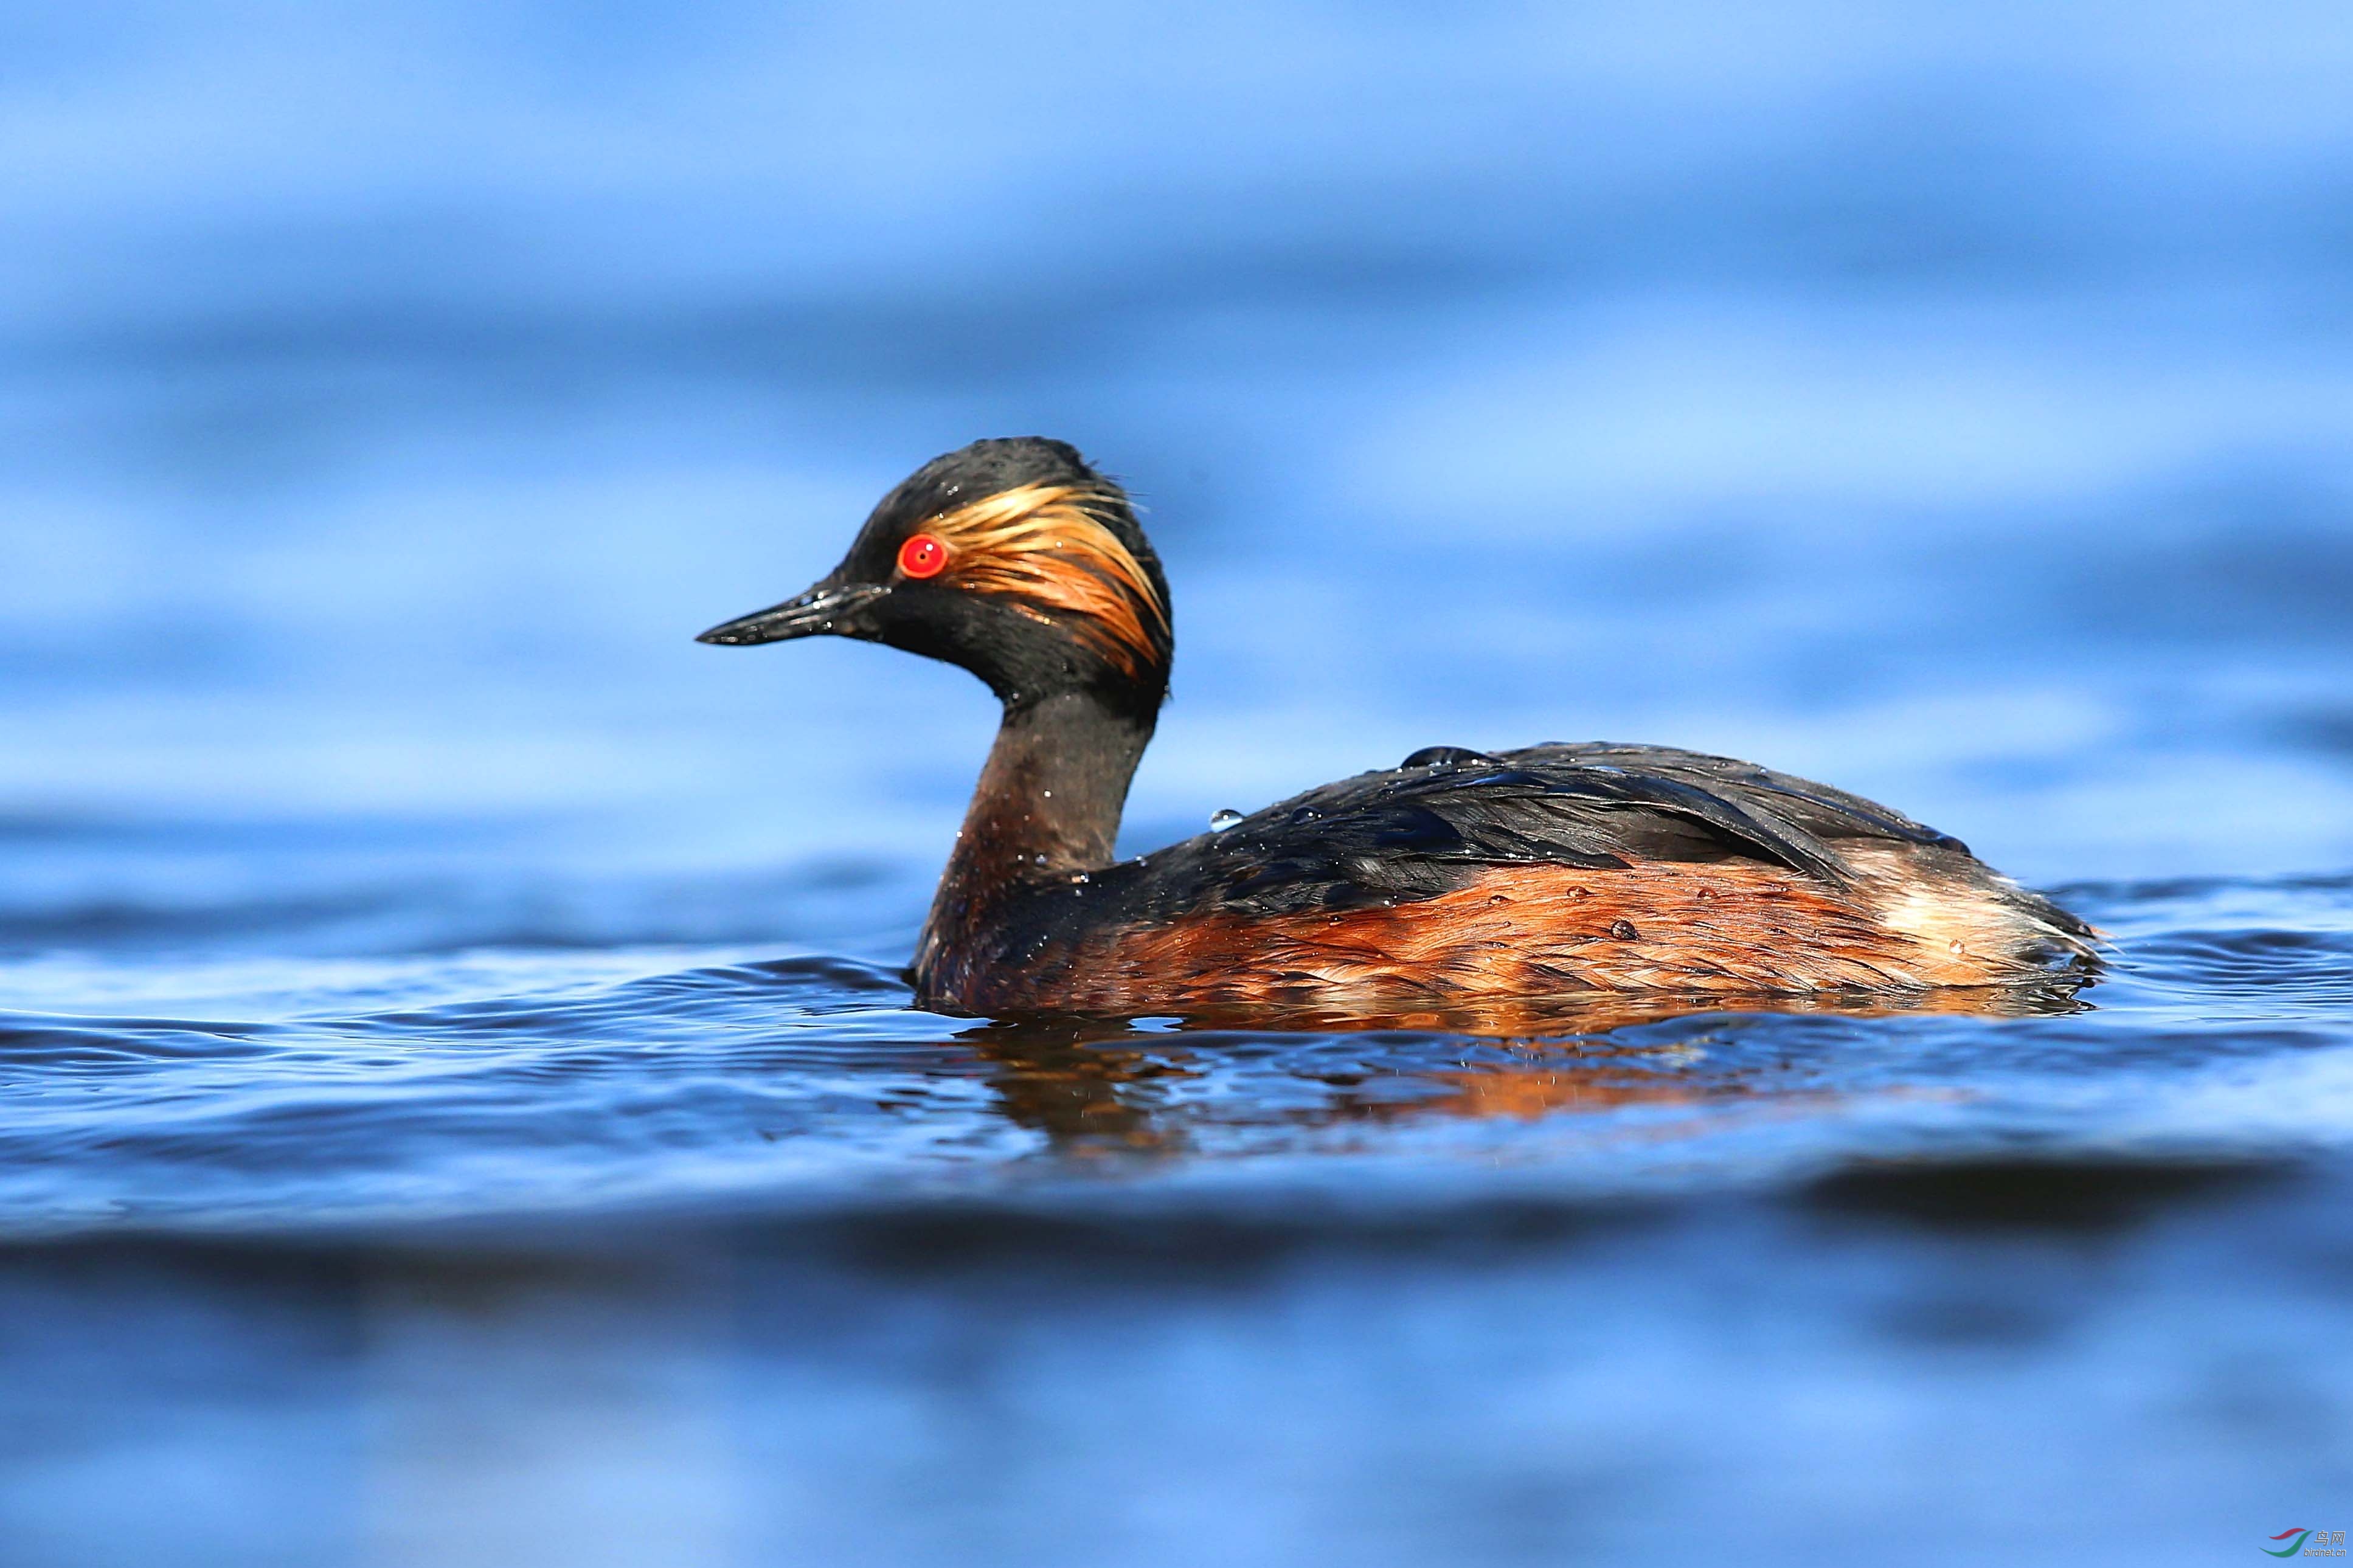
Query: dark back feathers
(1415,831)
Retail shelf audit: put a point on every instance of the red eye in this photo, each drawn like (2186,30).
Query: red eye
(923,556)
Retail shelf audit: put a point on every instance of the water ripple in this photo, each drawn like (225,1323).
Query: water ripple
(810,1079)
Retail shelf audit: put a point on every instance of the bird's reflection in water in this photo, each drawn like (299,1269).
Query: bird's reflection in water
(1103,1086)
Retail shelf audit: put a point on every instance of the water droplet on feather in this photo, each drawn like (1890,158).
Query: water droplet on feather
(1224,819)
(1445,757)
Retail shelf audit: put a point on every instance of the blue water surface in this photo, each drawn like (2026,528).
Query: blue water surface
(458,1103)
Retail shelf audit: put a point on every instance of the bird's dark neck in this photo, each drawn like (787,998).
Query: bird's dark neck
(1047,805)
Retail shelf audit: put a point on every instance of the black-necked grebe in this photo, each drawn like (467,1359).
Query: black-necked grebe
(1456,875)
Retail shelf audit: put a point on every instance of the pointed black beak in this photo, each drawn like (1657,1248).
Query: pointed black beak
(814,614)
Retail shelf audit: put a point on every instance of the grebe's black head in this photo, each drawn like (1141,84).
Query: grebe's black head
(1012,558)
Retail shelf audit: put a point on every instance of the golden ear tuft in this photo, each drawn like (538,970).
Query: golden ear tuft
(1049,544)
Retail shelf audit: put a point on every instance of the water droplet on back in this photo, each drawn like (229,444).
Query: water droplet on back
(1445,757)
(1220,821)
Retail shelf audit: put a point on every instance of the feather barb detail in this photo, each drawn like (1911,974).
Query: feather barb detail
(1049,545)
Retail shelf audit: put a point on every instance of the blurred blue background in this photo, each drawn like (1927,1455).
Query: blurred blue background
(1952,403)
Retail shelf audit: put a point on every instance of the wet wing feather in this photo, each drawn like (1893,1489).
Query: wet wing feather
(1816,808)
(1414,832)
